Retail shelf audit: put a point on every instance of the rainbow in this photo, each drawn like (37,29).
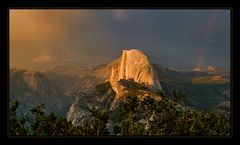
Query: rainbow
(206,35)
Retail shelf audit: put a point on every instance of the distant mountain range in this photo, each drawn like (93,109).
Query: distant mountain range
(203,90)
(67,91)
(32,88)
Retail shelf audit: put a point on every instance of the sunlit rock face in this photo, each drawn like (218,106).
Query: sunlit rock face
(135,65)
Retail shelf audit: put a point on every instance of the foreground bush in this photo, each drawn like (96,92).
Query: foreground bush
(133,117)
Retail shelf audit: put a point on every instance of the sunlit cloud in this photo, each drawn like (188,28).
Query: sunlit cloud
(197,69)
(42,58)
(211,69)
(34,32)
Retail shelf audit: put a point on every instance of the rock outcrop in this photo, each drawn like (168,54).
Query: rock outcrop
(134,65)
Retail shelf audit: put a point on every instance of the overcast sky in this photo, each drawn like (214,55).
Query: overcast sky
(181,39)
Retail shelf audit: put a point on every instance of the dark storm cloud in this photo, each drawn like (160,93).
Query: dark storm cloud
(172,38)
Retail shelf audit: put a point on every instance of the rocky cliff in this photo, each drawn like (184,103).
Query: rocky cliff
(134,65)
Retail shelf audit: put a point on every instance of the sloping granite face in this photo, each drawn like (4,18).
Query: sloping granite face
(135,65)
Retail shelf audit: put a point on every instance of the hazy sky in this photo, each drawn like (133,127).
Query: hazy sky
(40,39)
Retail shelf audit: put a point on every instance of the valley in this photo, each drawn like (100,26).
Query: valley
(71,91)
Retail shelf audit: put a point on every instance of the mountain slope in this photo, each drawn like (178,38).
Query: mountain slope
(32,88)
(203,90)
(100,97)
(72,81)
(131,74)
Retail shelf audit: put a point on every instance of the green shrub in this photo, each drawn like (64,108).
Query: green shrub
(132,117)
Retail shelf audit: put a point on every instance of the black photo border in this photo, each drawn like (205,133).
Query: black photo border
(142,4)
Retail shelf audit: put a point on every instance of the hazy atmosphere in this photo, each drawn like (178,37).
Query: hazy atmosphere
(181,39)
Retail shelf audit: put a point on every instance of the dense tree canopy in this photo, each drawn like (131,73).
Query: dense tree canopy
(132,117)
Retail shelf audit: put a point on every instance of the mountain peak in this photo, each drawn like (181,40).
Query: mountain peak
(133,65)
(136,65)
(134,50)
